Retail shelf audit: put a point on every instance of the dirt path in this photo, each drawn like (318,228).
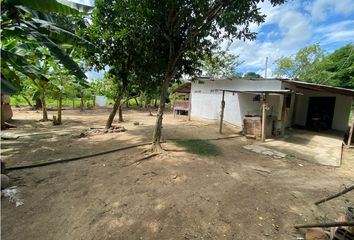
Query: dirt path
(41,141)
(235,195)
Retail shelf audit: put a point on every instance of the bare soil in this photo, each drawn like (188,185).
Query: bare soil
(176,195)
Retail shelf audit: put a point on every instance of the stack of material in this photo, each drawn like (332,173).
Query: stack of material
(252,126)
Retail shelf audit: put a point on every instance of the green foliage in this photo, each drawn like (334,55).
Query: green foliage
(105,87)
(285,67)
(18,100)
(27,26)
(311,65)
(220,64)
(303,65)
(251,75)
(199,146)
(337,69)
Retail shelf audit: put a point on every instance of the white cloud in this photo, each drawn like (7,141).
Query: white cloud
(297,24)
(322,9)
(295,27)
(336,32)
(339,36)
(294,30)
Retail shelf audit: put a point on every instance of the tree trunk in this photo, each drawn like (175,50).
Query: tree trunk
(120,112)
(136,101)
(82,103)
(38,104)
(155,103)
(44,107)
(156,147)
(127,103)
(2,113)
(149,107)
(148,104)
(113,112)
(60,100)
(27,100)
(73,104)
(144,101)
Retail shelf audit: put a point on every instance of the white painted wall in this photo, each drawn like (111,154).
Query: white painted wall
(206,99)
(341,109)
(101,101)
(206,102)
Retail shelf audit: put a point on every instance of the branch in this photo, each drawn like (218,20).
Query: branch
(210,16)
(128,98)
(325,225)
(347,189)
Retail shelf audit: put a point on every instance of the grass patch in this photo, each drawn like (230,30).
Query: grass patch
(199,146)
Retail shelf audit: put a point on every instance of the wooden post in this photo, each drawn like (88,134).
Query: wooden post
(222,111)
(283,111)
(264,117)
(350,135)
(174,101)
(190,106)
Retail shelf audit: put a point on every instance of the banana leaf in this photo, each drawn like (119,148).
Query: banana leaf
(58,6)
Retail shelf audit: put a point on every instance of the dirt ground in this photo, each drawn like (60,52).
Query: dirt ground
(177,195)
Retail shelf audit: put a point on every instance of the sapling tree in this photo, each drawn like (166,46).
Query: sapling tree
(188,26)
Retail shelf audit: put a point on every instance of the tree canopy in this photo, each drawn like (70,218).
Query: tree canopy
(27,25)
(220,64)
(251,75)
(188,28)
(311,64)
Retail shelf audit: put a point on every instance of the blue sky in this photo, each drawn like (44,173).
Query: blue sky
(288,28)
(293,25)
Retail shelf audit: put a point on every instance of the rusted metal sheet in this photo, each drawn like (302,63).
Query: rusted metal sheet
(182,105)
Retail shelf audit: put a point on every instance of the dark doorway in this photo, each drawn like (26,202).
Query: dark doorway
(320,113)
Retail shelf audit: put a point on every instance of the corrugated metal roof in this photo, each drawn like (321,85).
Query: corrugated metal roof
(321,88)
(184,88)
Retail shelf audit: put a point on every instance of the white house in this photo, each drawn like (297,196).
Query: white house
(288,103)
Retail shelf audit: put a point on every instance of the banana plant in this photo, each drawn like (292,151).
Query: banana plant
(62,80)
(29,24)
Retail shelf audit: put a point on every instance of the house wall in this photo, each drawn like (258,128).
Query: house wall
(300,106)
(206,99)
(206,102)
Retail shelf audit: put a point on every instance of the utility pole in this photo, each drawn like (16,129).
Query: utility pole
(266,67)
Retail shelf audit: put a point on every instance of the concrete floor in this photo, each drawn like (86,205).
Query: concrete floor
(320,147)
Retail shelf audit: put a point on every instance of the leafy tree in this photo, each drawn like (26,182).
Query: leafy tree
(336,69)
(63,81)
(187,27)
(29,23)
(251,75)
(220,64)
(118,36)
(311,65)
(302,66)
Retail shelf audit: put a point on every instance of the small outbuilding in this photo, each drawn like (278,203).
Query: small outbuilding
(286,103)
(181,100)
(264,108)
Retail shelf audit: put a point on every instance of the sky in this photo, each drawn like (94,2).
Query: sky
(292,26)
(287,29)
